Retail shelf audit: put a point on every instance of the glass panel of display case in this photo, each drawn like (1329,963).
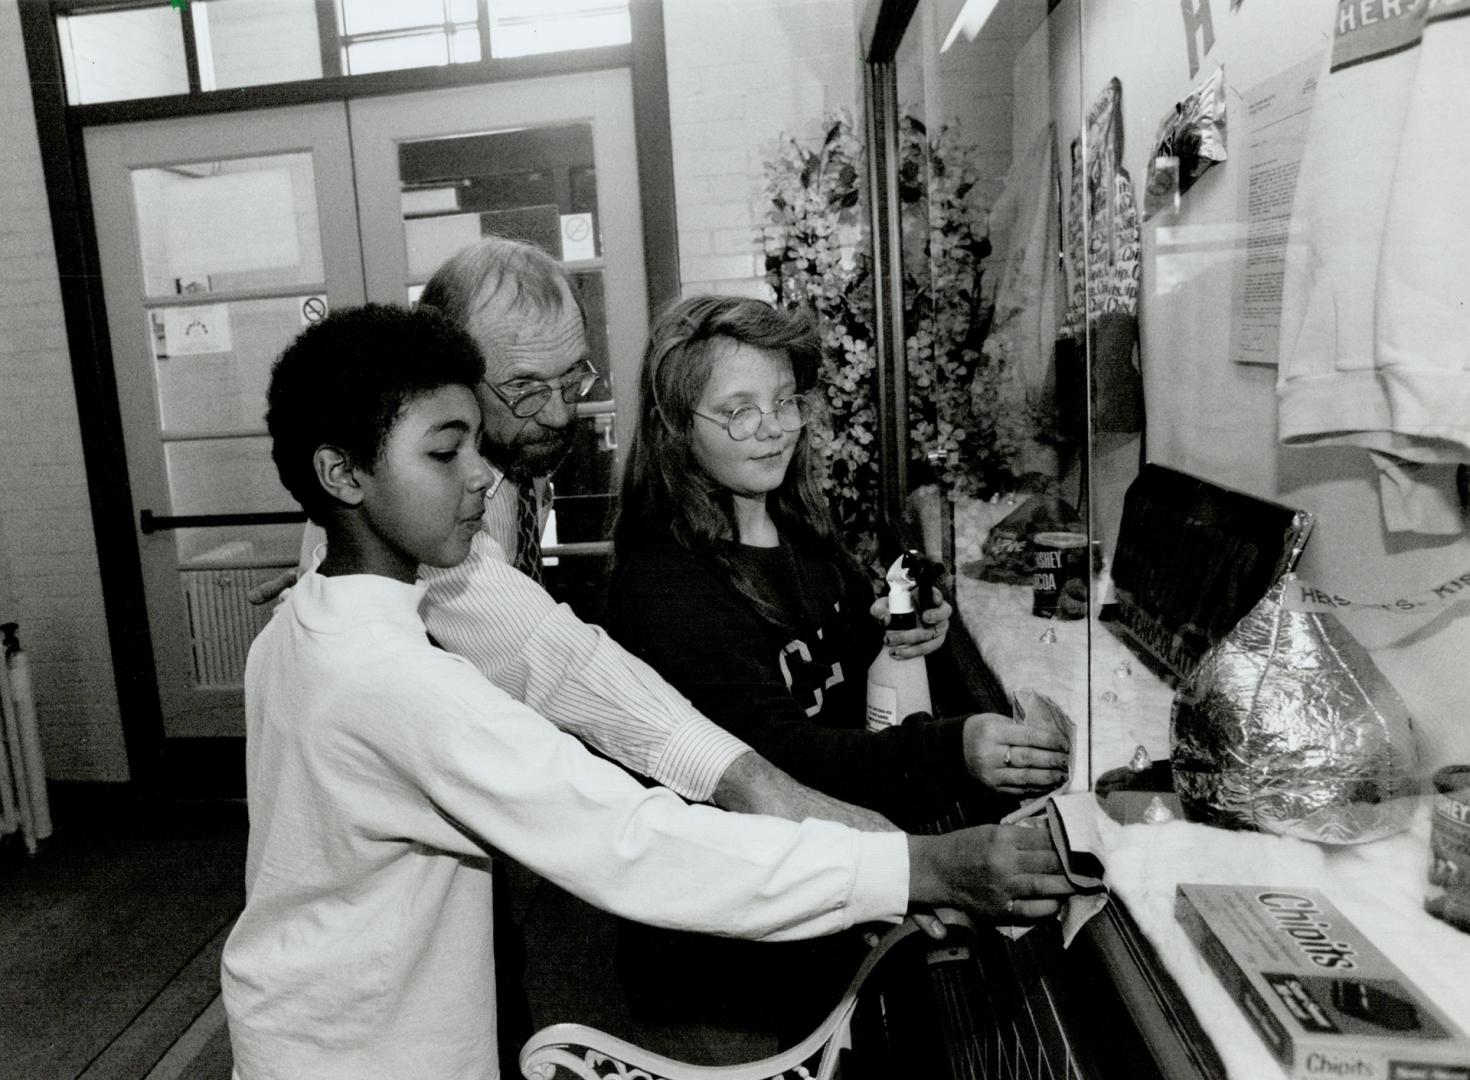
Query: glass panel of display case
(998,468)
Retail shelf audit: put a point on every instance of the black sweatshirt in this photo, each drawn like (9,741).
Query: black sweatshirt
(795,693)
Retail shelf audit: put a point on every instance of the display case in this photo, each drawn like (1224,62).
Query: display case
(1171,311)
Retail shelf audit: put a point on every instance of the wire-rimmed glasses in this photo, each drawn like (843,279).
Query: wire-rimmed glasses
(791,413)
(526,397)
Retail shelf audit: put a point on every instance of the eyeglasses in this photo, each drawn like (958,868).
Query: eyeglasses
(530,396)
(791,414)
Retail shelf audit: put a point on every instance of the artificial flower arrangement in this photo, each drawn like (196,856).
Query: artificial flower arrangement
(818,256)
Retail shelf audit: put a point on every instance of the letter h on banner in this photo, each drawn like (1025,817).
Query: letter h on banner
(1197,20)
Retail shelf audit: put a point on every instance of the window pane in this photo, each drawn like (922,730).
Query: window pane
(375,16)
(212,362)
(594,303)
(224,476)
(466,45)
(118,55)
(254,42)
(525,27)
(533,184)
(584,482)
(395,54)
(214,226)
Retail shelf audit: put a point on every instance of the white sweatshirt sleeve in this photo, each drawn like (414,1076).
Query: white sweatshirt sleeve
(498,776)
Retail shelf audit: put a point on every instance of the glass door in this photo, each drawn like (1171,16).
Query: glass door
(550,161)
(220,238)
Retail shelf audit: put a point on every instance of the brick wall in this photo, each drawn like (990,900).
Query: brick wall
(739,76)
(49,581)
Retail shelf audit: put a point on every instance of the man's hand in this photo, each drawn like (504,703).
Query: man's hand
(267,591)
(934,625)
(1012,758)
(752,785)
(1005,872)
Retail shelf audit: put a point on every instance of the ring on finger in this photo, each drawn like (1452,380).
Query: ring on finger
(1008,756)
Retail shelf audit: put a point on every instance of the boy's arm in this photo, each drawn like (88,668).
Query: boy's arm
(497,775)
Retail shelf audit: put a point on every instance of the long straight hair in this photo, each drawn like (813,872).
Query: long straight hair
(666,492)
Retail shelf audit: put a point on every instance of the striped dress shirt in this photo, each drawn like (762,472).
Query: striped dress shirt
(570,672)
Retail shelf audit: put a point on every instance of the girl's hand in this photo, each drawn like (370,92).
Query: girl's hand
(1012,758)
(934,625)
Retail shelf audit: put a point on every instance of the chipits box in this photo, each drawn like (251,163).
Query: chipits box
(1325,1000)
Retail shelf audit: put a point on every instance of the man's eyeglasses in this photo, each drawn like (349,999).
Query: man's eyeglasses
(526,397)
(791,414)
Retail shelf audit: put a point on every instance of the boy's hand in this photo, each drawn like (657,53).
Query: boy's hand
(267,591)
(1001,872)
(1012,758)
(934,625)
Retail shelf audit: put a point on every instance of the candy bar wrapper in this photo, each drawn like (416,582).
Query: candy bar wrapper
(1288,726)
(1190,140)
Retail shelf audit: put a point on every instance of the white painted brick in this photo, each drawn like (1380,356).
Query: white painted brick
(49,579)
(733,187)
(25,295)
(777,64)
(716,267)
(711,162)
(735,241)
(694,242)
(705,107)
(716,216)
(721,134)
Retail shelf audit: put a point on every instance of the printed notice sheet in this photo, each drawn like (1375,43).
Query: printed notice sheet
(1274,133)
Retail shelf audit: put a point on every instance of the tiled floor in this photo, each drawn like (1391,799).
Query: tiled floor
(110,940)
(110,936)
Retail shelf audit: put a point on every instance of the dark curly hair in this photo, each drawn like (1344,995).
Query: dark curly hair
(344,381)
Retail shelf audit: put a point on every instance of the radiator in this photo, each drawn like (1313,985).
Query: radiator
(24,806)
(222,622)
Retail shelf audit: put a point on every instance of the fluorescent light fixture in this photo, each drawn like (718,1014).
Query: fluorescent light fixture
(970,20)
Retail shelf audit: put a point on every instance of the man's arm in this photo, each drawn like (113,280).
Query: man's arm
(752,785)
(573,674)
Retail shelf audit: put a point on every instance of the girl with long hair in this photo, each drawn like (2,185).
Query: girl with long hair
(728,577)
(729,580)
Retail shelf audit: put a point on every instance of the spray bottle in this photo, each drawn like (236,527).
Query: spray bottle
(899,688)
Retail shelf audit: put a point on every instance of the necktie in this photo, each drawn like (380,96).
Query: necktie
(528,531)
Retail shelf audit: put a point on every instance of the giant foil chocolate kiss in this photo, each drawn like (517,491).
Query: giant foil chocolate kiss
(1288,726)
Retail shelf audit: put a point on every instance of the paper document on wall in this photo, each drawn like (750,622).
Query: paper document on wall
(190,331)
(232,223)
(1275,132)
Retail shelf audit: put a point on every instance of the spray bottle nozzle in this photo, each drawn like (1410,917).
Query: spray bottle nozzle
(915,576)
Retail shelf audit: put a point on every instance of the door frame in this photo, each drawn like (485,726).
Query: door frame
(320,130)
(155,763)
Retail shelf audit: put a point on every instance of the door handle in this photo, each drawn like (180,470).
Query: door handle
(149,522)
